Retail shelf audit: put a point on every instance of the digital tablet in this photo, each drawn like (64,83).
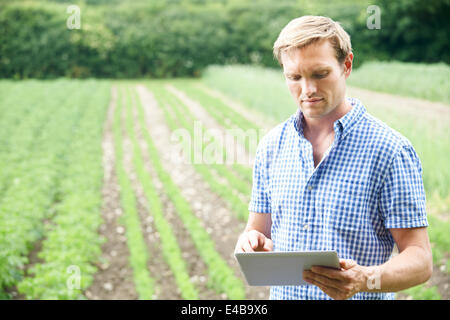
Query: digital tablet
(282,268)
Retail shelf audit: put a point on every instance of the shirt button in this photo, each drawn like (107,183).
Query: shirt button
(310,188)
(305,227)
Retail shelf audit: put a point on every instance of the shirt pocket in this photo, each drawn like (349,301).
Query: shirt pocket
(347,206)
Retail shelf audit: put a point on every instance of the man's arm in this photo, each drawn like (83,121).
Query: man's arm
(261,222)
(411,267)
(256,236)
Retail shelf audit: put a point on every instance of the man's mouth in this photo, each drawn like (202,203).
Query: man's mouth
(312,101)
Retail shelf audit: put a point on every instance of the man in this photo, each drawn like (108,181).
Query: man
(333,177)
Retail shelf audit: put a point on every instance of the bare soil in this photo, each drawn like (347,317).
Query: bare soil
(114,278)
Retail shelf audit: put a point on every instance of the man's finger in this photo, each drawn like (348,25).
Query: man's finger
(247,247)
(329,272)
(254,241)
(331,292)
(347,263)
(323,280)
(268,245)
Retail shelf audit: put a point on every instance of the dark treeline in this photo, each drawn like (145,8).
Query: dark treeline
(168,38)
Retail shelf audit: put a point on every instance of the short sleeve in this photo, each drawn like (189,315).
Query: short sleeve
(402,198)
(260,198)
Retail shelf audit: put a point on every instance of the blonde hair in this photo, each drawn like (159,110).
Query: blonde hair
(303,31)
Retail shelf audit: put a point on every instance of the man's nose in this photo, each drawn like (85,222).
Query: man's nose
(308,87)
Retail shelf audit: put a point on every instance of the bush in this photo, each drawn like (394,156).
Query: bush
(172,38)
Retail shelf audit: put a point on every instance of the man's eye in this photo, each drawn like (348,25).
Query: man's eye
(295,78)
(322,75)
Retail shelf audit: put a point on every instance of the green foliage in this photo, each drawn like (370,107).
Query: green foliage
(37,43)
(72,239)
(29,184)
(421,292)
(414,30)
(166,38)
(37,182)
(438,232)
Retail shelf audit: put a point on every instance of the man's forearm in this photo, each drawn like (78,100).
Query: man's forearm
(411,267)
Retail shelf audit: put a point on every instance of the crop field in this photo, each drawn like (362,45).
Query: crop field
(135,190)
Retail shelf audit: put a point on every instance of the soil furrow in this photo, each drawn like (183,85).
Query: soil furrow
(222,225)
(114,278)
(196,267)
(165,285)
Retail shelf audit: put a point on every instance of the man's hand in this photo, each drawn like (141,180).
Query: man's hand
(338,284)
(253,240)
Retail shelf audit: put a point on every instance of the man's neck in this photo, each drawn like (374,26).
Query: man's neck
(319,127)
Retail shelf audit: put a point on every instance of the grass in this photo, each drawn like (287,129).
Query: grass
(425,81)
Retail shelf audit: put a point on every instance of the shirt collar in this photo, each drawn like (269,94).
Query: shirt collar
(341,126)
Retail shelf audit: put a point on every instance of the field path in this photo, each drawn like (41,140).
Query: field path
(424,109)
(114,278)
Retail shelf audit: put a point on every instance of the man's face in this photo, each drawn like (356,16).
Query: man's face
(315,78)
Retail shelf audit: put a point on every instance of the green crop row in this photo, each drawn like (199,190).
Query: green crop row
(218,109)
(21,124)
(181,113)
(178,115)
(130,219)
(221,276)
(72,242)
(225,116)
(40,155)
(169,244)
(221,112)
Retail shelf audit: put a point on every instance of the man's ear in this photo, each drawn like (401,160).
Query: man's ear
(348,64)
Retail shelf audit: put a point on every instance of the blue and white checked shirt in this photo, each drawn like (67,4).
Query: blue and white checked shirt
(370,181)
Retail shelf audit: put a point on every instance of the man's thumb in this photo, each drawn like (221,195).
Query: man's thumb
(347,263)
